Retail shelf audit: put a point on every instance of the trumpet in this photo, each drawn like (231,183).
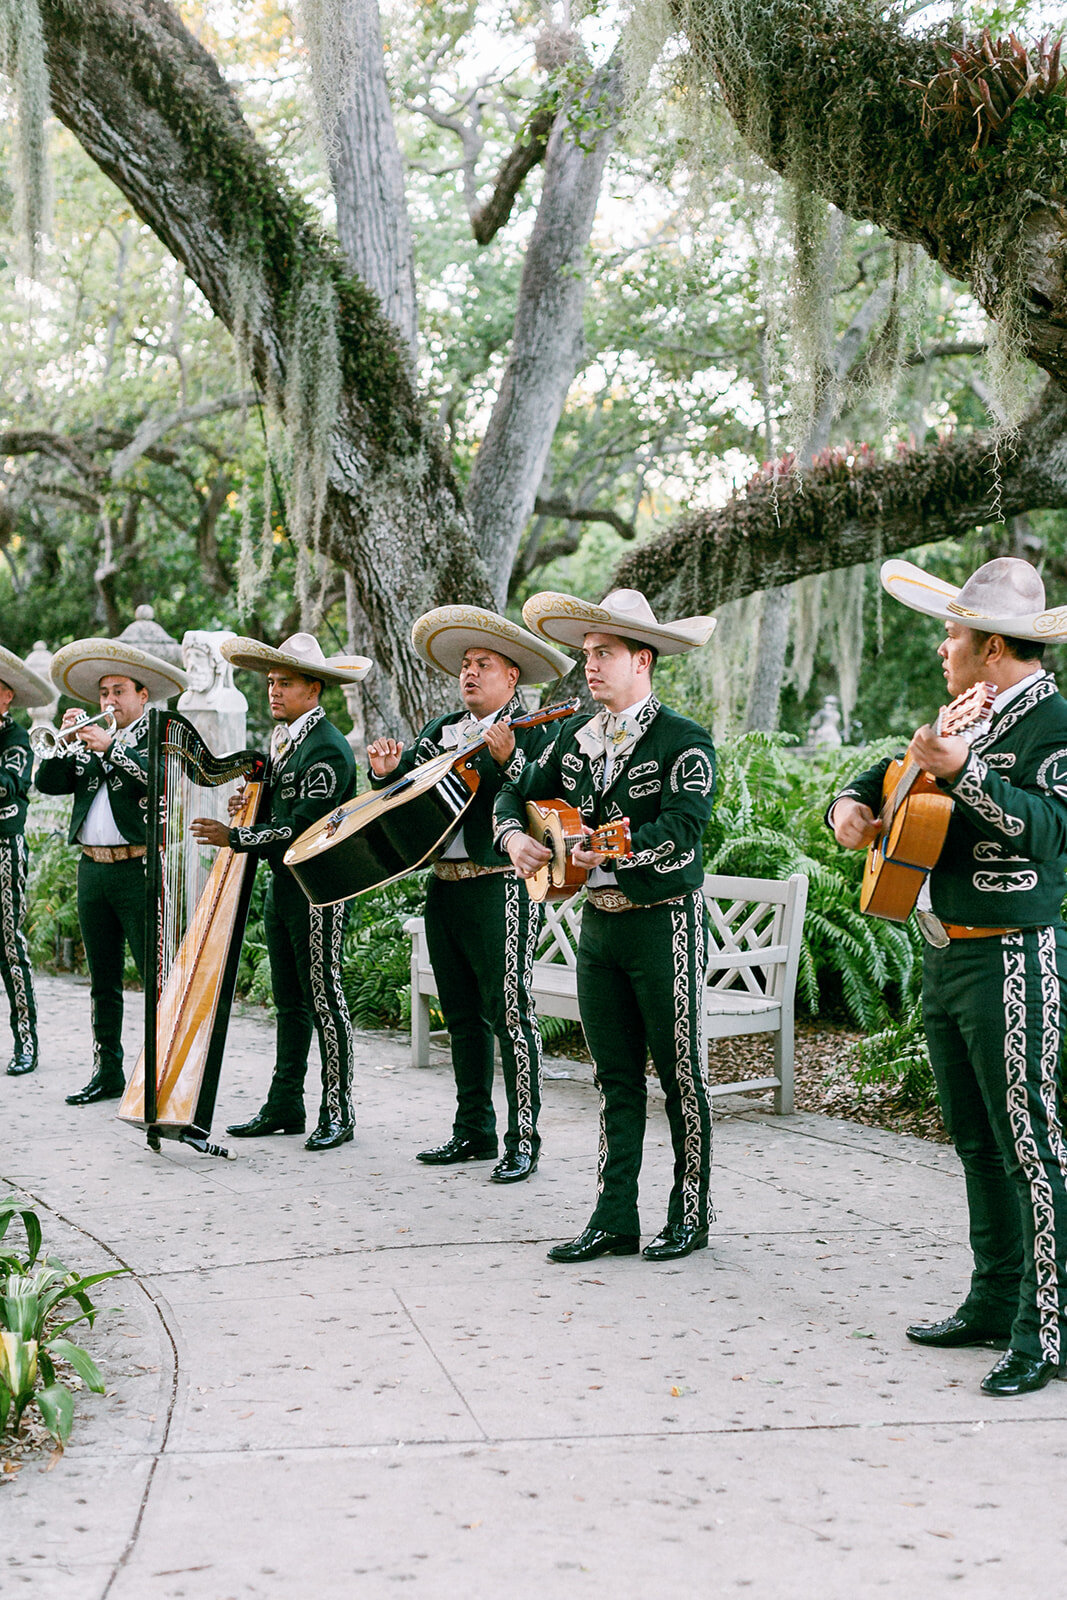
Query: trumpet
(46,742)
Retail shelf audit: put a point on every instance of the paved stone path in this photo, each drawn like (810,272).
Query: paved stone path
(344,1375)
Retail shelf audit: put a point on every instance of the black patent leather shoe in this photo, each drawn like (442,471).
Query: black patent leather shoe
(1016,1373)
(957,1333)
(328,1135)
(677,1239)
(456,1149)
(98,1089)
(513,1167)
(265,1122)
(21,1062)
(594,1242)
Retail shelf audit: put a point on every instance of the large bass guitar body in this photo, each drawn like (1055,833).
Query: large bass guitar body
(381,836)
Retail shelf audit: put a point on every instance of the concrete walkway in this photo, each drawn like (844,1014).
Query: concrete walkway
(345,1375)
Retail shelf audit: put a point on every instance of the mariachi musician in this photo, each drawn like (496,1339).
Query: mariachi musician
(641,955)
(18,687)
(105,768)
(995,963)
(481,926)
(311,770)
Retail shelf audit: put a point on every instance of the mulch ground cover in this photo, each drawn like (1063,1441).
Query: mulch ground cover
(824,1083)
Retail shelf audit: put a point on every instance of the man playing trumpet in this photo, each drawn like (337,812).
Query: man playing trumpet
(105,768)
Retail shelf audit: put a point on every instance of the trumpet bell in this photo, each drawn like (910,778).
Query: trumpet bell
(46,741)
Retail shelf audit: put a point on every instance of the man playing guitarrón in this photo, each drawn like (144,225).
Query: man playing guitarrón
(641,956)
(311,769)
(481,926)
(996,959)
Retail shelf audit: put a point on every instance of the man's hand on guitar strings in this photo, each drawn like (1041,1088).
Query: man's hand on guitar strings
(587,858)
(527,856)
(235,802)
(855,826)
(940,757)
(500,742)
(384,756)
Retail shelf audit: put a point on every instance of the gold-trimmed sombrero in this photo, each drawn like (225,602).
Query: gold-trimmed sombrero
(301,652)
(78,667)
(443,636)
(1005,596)
(624,612)
(27,688)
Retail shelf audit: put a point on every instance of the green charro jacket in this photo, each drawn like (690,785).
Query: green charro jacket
(315,775)
(478,817)
(1003,860)
(665,784)
(124,769)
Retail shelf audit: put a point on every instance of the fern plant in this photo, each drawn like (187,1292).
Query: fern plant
(768,823)
(897,1058)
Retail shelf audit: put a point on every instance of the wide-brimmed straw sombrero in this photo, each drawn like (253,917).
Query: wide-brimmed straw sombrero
(301,652)
(78,667)
(624,612)
(27,688)
(442,637)
(1006,596)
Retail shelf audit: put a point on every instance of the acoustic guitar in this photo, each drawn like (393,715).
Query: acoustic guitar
(915,815)
(387,833)
(558,826)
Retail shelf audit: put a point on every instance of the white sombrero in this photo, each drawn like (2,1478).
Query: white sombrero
(78,667)
(442,637)
(1005,596)
(28,689)
(301,652)
(624,612)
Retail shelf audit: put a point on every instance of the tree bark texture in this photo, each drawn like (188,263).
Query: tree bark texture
(824,93)
(368,183)
(547,342)
(842,513)
(149,105)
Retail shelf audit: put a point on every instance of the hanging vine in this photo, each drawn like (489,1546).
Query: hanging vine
(22,58)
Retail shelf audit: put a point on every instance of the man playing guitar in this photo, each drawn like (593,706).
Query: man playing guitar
(996,958)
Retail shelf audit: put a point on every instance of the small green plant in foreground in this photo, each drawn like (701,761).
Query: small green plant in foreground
(32,1339)
(896,1058)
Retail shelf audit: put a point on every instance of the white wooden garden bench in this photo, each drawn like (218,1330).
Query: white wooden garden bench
(755,926)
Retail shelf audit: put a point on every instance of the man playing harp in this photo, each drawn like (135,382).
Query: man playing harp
(311,769)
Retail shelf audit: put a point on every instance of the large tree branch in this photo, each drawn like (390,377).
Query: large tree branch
(150,107)
(831,95)
(843,512)
(488,219)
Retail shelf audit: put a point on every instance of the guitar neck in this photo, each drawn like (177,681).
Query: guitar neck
(532,719)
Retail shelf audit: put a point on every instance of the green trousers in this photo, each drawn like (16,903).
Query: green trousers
(304,949)
(481,935)
(111,915)
(640,989)
(993,1011)
(14,952)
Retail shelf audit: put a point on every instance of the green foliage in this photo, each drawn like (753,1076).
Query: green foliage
(896,1057)
(34,1350)
(768,823)
(376,961)
(52,901)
